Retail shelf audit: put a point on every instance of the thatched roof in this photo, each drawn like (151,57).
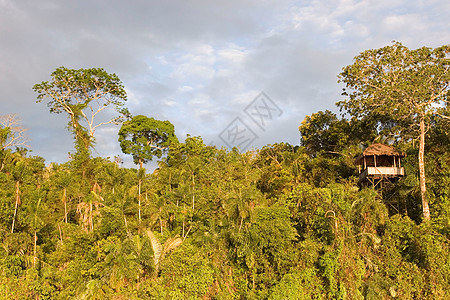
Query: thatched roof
(378,150)
(381,149)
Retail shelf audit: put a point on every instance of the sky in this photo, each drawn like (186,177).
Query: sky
(237,73)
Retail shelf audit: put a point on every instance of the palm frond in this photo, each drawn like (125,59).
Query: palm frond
(157,248)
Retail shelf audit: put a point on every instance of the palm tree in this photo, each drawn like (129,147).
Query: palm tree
(159,250)
(19,173)
(88,210)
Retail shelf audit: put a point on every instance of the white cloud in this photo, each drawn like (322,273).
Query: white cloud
(402,24)
(199,63)
(185,88)
(233,54)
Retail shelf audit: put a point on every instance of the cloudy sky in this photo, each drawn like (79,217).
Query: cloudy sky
(201,64)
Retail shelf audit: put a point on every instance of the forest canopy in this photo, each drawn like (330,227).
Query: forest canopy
(281,222)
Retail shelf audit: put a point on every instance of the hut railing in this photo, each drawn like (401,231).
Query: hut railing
(382,172)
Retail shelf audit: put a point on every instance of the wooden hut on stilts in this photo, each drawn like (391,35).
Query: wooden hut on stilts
(379,163)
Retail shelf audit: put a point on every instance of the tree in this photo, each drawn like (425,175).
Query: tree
(325,132)
(83,94)
(89,209)
(20,172)
(408,86)
(322,131)
(159,250)
(11,133)
(145,137)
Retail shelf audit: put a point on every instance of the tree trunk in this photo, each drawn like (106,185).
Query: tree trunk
(60,233)
(193,192)
(139,204)
(35,249)
(65,204)
(91,218)
(16,206)
(126,223)
(425,207)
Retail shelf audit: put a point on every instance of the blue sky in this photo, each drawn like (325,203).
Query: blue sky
(199,64)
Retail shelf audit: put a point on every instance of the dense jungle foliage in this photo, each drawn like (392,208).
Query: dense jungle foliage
(281,222)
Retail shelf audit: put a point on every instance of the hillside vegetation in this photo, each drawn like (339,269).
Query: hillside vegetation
(281,222)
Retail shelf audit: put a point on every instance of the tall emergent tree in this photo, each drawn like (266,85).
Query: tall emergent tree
(145,137)
(407,86)
(83,94)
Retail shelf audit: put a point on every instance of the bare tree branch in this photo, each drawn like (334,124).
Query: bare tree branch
(11,133)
